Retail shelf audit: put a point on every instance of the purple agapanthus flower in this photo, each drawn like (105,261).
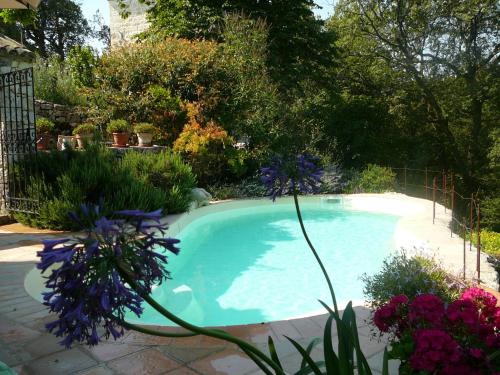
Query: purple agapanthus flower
(301,174)
(86,290)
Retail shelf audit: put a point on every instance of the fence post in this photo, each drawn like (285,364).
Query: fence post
(405,179)
(478,211)
(464,235)
(434,199)
(445,177)
(452,204)
(426,185)
(471,224)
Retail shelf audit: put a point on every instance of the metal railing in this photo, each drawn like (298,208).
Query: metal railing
(440,187)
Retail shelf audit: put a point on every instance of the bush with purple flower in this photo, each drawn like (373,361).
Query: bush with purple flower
(87,291)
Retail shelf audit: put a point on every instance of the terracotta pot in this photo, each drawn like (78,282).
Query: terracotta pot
(120,139)
(83,139)
(43,141)
(144,139)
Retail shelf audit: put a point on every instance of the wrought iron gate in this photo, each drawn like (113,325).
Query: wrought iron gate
(17,139)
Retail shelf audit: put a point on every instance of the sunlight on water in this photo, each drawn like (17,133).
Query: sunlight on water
(252,265)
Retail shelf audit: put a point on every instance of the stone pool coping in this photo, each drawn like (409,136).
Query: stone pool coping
(25,346)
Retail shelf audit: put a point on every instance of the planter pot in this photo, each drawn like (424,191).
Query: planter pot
(120,139)
(83,139)
(65,141)
(43,141)
(144,139)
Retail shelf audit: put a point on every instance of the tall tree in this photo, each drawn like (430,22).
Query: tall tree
(450,51)
(54,28)
(299,45)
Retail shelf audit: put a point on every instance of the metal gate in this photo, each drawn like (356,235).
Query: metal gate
(17,140)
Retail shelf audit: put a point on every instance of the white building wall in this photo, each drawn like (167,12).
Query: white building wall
(124,30)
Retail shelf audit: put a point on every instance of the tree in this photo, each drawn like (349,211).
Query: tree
(299,45)
(101,32)
(449,50)
(54,28)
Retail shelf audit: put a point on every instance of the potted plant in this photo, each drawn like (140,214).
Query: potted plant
(144,133)
(83,133)
(120,130)
(43,128)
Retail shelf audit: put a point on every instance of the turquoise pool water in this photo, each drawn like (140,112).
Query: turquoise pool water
(252,265)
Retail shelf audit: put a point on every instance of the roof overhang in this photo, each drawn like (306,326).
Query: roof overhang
(19,4)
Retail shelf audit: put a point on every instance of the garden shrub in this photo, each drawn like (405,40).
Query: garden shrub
(490,214)
(208,148)
(250,187)
(373,179)
(411,276)
(55,83)
(44,125)
(490,242)
(165,171)
(64,180)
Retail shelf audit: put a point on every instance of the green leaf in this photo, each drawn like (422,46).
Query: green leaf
(272,351)
(314,367)
(257,361)
(331,359)
(385,366)
(309,349)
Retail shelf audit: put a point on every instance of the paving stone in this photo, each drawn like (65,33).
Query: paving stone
(11,332)
(99,370)
(147,362)
(230,362)
(105,352)
(285,328)
(307,328)
(12,354)
(65,362)
(187,354)
(44,345)
(183,371)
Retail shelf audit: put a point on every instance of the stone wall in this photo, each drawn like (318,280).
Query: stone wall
(123,30)
(60,114)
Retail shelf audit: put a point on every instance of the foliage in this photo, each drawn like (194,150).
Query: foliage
(411,276)
(250,187)
(63,180)
(144,127)
(208,148)
(165,171)
(46,34)
(431,336)
(448,55)
(82,62)
(118,126)
(299,46)
(373,179)
(84,129)
(54,82)
(490,242)
(490,214)
(44,125)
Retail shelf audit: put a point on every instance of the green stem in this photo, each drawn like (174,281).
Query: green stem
(304,232)
(152,332)
(218,334)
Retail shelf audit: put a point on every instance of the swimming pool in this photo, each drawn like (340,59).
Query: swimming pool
(249,263)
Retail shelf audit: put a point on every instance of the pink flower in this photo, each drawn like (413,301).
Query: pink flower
(400,299)
(434,349)
(427,308)
(484,301)
(476,353)
(464,311)
(384,317)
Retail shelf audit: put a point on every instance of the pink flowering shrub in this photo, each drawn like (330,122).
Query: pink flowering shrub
(431,337)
